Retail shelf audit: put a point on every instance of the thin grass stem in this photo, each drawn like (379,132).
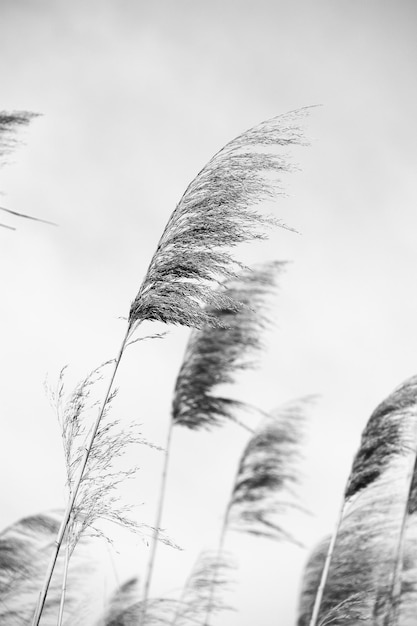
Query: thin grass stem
(391,616)
(64,584)
(158,518)
(220,548)
(324,575)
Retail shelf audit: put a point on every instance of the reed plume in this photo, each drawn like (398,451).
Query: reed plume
(358,586)
(387,433)
(263,489)
(215,214)
(216,354)
(267,474)
(387,448)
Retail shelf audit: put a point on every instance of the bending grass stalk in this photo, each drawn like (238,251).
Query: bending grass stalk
(155,535)
(70,505)
(324,575)
(391,616)
(64,584)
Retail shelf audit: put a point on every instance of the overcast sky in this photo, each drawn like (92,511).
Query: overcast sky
(136,97)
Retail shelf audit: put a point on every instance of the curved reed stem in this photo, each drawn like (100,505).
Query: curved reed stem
(391,616)
(64,584)
(325,572)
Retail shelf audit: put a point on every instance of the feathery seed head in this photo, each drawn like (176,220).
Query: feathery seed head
(267,473)
(386,435)
(217,352)
(214,215)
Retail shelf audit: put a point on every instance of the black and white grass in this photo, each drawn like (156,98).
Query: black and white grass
(216,213)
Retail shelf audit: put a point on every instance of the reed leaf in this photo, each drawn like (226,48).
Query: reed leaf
(215,214)
(24,550)
(217,353)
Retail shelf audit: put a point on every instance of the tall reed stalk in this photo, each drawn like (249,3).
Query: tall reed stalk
(75,488)
(157,525)
(64,584)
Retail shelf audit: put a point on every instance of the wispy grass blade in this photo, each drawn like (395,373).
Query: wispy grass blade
(215,214)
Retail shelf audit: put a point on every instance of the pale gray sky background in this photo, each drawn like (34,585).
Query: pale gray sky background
(136,97)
